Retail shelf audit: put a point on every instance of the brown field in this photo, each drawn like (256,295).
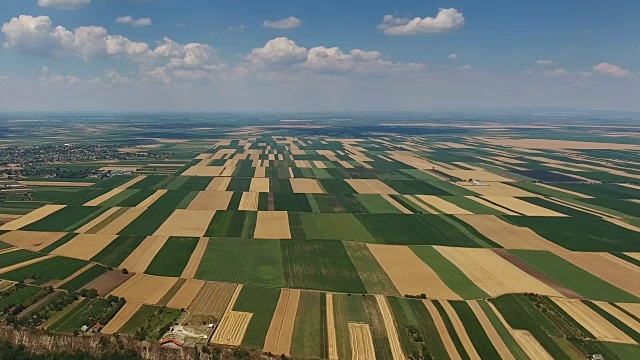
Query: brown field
(218,184)
(414,199)
(306,186)
(194,261)
(620,315)
(84,246)
(141,257)
(634,255)
(132,182)
(31,240)
(632,308)
(522,207)
(493,274)
(530,345)
(497,189)
(409,274)
(302,163)
(609,268)
(152,198)
(204,171)
(484,176)
(249,201)
(543,144)
(145,289)
(259,185)
(484,202)
(460,330)
(56,183)
(232,328)
(102,198)
(507,235)
(444,206)
(191,223)
(122,221)
(93,223)
(272,225)
(390,326)
(370,186)
(213,299)
(491,332)
(361,342)
(32,217)
(442,331)
(121,318)
(211,200)
(345,164)
(187,293)
(23,264)
(319,164)
(108,281)
(396,204)
(594,323)
(332,341)
(278,340)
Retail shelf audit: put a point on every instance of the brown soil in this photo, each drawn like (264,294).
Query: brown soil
(108,281)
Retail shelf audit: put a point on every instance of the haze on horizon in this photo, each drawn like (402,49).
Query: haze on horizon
(243,55)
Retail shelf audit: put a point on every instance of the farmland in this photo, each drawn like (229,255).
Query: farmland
(339,242)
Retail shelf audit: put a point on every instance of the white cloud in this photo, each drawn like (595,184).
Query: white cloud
(466,67)
(115,78)
(134,22)
(291,22)
(612,70)
(556,73)
(237,29)
(64,4)
(35,36)
(453,56)
(446,20)
(544,62)
(278,51)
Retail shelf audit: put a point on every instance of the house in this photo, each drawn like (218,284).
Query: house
(596,357)
(84,328)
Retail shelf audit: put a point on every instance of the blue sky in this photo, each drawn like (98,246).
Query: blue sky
(208,55)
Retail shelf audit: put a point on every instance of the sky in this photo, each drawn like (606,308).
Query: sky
(330,55)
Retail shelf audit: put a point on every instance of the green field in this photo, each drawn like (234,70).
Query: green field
(55,268)
(173,257)
(261,302)
(334,227)
(118,250)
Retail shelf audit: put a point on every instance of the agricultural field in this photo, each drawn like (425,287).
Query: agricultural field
(338,241)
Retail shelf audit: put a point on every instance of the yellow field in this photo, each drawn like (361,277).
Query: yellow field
(361,342)
(218,184)
(31,240)
(442,331)
(141,257)
(189,271)
(280,333)
(620,315)
(390,326)
(522,206)
(396,204)
(444,206)
(259,185)
(187,293)
(84,246)
(491,332)
(249,201)
(484,202)
(121,318)
(193,223)
(272,225)
(332,341)
(476,175)
(409,274)
(211,200)
(594,323)
(32,217)
(204,171)
(102,198)
(122,221)
(305,186)
(497,189)
(213,298)
(232,328)
(460,330)
(152,198)
(145,289)
(530,345)
(370,186)
(93,223)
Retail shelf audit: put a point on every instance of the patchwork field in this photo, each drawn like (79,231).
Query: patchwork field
(432,242)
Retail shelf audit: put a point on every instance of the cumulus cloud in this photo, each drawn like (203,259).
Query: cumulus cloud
(36,36)
(453,56)
(134,22)
(278,51)
(446,20)
(544,62)
(556,73)
(611,70)
(64,4)
(562,73)
(291,22)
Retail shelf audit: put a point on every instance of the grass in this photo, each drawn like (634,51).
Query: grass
(319,265)
(18,296)
(573,277)
(455,279)
(341,325)
(66,219)
(504,333)
(80,315)
(376,204)
(173,257)
(150,322)
(84,278)
(309,339)
(576,234)
(378,330)
(374,278)
(415,230)
(474,329)
(56,268)
(334,227)
(118,250)
(261,302)
(227,223)
(257,262)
